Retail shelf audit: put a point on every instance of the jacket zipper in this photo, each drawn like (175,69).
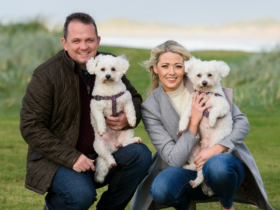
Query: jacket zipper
(88,89)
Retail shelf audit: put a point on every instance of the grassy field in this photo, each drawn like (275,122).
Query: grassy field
(263,142)
(25,46)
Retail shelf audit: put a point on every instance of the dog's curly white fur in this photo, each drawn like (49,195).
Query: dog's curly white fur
(109,70)
(206,77)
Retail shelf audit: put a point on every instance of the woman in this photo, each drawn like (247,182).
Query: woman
(231,177)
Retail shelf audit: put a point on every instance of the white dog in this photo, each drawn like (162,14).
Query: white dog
(109,96)
(216,123)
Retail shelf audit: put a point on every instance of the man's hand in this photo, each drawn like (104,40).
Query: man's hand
(205,154)
(117,123)
(83,164)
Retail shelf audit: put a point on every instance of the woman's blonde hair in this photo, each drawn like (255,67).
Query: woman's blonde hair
(168,46)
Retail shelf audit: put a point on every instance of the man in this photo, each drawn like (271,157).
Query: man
(55,122)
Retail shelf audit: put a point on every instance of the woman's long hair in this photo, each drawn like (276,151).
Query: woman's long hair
(168,46)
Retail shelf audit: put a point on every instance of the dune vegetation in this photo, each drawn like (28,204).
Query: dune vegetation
(255,78)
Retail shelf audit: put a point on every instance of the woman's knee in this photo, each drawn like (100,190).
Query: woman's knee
(223,168)
(169,186)
(160,191)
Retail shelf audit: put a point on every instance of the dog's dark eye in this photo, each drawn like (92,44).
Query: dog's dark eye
(103,69)
(199,75)
(209,75)
(113,69)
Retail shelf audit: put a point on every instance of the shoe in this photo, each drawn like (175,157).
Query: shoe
(45,207)
(193,205)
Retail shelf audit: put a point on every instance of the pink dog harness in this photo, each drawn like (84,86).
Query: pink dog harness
(114,102)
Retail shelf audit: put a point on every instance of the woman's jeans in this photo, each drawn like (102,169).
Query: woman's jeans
(73,190)
(223,173)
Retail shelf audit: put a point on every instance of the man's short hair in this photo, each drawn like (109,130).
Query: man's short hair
(80,17)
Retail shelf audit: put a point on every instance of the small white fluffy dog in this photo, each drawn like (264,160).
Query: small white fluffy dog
(109,96)
(216,123)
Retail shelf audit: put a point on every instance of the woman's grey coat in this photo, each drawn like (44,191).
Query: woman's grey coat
(161,122)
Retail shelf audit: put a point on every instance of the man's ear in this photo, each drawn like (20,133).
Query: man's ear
(98,41)
(91,65)
(123,63)
(64,44)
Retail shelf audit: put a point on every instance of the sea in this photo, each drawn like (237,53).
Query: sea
(194,43)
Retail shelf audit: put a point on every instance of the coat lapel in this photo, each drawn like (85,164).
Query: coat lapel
(169,116)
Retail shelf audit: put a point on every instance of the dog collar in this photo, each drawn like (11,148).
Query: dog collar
(206,112)
(114,102)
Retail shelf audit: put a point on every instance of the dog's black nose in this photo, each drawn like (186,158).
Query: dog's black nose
(204,83)
(108,76)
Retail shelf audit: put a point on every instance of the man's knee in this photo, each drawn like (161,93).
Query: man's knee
(81,198)
(71,190)
(135,154)
(143,153)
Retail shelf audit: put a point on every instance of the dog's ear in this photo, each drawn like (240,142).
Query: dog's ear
(189,64)
(91,64)
(222,68)
(123,63)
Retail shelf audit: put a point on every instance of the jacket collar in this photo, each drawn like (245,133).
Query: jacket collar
(69,61)
(170,117)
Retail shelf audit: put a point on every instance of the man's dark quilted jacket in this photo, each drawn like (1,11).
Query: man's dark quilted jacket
(50,118)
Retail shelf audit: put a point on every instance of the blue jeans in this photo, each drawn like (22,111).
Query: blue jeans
(73,190)
(223,173)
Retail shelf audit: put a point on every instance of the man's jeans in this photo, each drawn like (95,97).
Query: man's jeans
(223,173)
(73,190)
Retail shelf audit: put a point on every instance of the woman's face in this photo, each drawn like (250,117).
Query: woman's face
(170,70)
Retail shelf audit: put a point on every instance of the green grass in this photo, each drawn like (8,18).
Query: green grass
(263,142)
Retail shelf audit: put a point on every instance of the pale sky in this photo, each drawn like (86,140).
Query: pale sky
(174,12)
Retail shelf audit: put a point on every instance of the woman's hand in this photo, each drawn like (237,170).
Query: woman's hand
(205,154)
(197,111)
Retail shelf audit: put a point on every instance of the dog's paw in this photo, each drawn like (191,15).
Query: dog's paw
(193,184)
(212,122)
(179,133)
(113,165)
(132,125)
(118,145)
(182,128)
(138,140)
(100,134)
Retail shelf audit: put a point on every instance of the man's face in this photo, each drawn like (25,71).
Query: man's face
(81,43)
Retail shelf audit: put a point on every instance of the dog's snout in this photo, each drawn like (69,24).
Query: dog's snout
(108,76)
(204,83)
